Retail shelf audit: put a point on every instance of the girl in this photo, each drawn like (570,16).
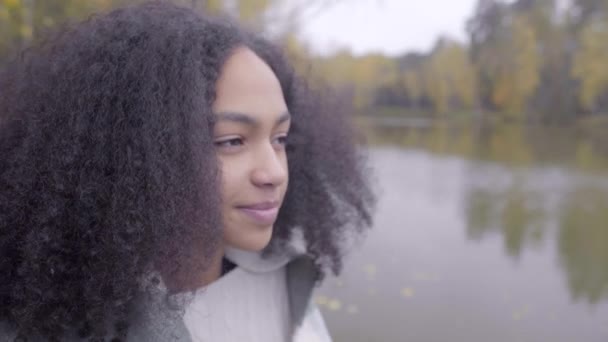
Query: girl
(167,176)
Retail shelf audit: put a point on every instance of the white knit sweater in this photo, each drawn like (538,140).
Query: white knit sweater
(250,303)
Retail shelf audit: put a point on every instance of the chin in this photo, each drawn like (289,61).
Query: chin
(252,240)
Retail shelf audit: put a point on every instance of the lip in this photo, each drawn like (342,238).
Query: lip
(263,213)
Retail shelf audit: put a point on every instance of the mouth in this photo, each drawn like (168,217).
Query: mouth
(263,213)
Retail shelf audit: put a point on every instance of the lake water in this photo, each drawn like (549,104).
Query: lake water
(474,249)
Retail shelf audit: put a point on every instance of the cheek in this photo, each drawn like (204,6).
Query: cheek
(233,176)
(286,168)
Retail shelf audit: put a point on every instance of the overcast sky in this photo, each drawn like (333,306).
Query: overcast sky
(389,26)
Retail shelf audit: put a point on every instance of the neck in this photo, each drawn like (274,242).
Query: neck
(184,282)
(214,271)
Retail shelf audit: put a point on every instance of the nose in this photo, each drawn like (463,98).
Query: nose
(270,167)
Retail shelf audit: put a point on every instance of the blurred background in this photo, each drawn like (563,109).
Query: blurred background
(486,122)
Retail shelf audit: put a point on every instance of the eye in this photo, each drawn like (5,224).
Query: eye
(229,143)
(280,140)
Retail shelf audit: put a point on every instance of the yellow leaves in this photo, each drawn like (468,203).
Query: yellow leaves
(503,89)
(525,43)
(407,292)
(586,157)
(362,74)
(26,32)
(371,72)
(293,45)
(589,65)
(10,13)
(101,4)
(249,11)
(11,4)
(298,53)
(214,6)
(336,69)
(437,83)
(466,79)
(376,68)
(4,14)
(527,64)
(21,21)
(516,71)
(449,77)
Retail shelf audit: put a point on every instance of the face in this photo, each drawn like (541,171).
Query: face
(252,123)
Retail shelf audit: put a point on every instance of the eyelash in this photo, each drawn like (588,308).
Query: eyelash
(282,139)
(236,142)
(228,142)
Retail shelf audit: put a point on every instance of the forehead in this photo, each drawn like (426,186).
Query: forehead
(248,85)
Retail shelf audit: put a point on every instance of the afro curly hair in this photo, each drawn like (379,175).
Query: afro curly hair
(108,170)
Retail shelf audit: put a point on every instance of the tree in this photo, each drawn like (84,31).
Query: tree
(590,66)
(23,20)
(450,78)
(505,48)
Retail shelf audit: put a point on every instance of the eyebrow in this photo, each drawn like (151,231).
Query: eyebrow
(247,119)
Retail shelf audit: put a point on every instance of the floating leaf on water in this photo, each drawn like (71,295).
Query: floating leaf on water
(407,292)
(434,277)
(334,305)
(352,309)
(370,270)
(522,312)
(321,300)
(421,276)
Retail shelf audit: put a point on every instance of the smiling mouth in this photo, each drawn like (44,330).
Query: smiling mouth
(261,213)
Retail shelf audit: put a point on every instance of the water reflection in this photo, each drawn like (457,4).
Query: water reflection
(583,242)
(515,213)
(481,235)
(514,145)
(523,214)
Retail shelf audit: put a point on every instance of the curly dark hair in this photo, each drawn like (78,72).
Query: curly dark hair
(108,170)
